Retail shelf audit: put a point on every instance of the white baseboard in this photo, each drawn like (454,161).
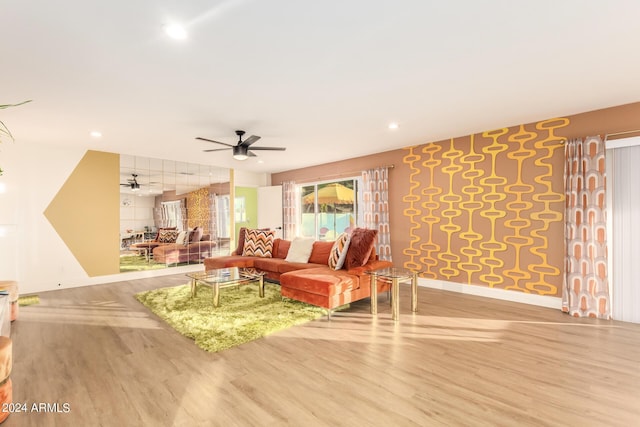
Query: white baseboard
(483,291)
(118,277)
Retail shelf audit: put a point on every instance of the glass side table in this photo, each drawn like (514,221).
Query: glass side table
(394,276)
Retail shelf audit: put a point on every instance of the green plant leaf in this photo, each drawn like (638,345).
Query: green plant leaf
(4,130)
(2,107)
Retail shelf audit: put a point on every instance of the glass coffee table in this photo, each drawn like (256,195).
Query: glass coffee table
(225,277)
(394,276)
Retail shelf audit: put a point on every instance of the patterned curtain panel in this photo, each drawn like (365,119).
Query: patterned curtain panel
(375,207)
(586,289)
(290,210)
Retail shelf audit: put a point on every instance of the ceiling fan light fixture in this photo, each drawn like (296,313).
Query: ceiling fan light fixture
(243,149)
(135,186)
(240,152)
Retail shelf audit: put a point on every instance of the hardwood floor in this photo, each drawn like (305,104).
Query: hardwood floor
(461,360)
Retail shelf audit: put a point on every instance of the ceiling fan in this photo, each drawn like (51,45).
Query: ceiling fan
(132,182)
(242,150)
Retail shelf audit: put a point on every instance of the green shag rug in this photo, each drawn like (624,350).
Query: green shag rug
(242,315)
(28,300)
(138,263)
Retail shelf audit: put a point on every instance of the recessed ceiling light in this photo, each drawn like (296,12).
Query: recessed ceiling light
(95,134)
(175,31)
(260,161)
(393,126)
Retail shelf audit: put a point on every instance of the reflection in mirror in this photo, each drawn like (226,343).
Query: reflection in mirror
(241,211)
(171,213)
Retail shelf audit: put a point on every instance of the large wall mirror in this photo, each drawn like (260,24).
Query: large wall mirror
(172,213)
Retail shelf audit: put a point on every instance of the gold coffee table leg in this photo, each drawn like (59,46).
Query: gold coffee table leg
(193,287)
(261,287)
(414,293)
(395,298)
(374,295)
(216,294)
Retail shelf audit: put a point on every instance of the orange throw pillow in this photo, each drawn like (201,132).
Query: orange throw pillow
(360,247)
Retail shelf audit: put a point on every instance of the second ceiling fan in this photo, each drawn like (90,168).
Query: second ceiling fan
(242,150)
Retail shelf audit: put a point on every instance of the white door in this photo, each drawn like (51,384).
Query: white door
(270,208)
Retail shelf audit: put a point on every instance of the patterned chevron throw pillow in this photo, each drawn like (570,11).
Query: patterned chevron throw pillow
(258,243)
(339,251)
(168,236)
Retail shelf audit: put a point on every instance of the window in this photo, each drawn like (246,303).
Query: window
(329,208)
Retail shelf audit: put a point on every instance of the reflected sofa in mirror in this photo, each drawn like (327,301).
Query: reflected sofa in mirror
(171,213)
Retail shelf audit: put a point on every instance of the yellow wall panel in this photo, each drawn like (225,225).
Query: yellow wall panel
(85,213)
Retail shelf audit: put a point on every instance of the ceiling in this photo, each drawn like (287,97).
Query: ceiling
(323,79)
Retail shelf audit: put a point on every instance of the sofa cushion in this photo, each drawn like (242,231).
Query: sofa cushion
(228,261)
(196,234)
(285,267)
(258,243)
(159,230)
(300,250)
(167,236)
(339,251)
(241,237)
(268,264)
(320,253)
(320,280)
(360,247)
(183,238)
(169,248)
(281,248)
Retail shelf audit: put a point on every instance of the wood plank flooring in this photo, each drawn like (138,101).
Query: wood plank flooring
(460,361)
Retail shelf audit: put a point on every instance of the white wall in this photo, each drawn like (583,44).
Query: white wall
(136,212)
(250,179)
(33,175)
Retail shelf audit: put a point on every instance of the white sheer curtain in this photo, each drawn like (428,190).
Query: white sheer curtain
(375,207)
(290,210)
(173,214)
(624,176)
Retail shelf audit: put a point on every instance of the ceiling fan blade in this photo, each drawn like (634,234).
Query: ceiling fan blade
(250,154)
(215,142)
(269,148)
(216,149)
(247,142)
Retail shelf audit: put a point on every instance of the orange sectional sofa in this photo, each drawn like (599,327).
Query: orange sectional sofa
(197,247)
(313,282)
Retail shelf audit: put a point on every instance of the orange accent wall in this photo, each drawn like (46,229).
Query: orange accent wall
(484,209)
(488,209)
